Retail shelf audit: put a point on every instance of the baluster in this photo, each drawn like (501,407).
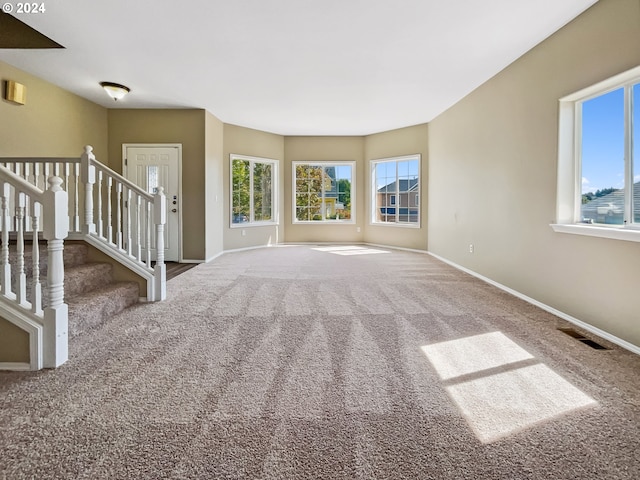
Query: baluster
(119,215)
(36,289)
(88,178)
(47,173)
(99,209)
(56,225)
(148,222)
(109,214)
(66,168)
(37,172)
(21,277)
(138,239)
(5,266)
(76,200)
(127,206)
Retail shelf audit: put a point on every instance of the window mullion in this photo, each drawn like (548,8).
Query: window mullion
(397,193)
(628,160)
(251,215)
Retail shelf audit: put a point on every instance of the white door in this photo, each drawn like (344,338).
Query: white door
(159,166)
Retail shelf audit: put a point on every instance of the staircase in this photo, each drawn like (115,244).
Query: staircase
(61,201)
(90,291)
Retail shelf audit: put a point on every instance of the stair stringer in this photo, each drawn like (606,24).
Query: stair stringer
(146,273)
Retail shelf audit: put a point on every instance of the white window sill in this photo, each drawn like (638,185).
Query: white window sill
(253,224)
(615,233)
(395,225)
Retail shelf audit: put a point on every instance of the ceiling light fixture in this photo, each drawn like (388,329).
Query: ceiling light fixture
(115,90)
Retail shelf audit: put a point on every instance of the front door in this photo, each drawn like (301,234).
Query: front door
(151,167)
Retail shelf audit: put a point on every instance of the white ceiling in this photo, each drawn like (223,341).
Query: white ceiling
(292,67)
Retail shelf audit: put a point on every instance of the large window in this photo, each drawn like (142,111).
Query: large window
(396,190)
(323,192)
(253,187)
(599,159)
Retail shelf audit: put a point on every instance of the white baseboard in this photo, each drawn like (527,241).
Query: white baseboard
(14,366)
(590,328)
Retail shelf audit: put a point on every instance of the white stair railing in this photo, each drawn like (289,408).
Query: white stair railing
(47,328)
(125,222)
(70,197)
(108,211)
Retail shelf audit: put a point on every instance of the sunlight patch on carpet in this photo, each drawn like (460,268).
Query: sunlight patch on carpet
(349,250)
(497,389)
(473,354)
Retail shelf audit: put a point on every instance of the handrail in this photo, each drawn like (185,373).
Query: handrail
(20,183)
(125,181)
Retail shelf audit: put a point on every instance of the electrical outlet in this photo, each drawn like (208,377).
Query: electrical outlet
(358,229)
(471,248)
(244,233)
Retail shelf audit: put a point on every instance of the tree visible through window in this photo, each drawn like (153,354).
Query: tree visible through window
(252,189)
(396,190)
(323,192)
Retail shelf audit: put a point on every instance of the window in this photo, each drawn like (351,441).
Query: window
(323,192)
(253,187)
(396,190)
(598,153)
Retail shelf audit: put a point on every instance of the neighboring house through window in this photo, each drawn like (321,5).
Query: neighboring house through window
(253,187)
(323,192)
(396,190)
(599,159)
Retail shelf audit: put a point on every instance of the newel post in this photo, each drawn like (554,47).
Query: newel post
(55,230)
(88,176)
(160,219)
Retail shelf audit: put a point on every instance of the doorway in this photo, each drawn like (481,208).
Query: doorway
(151,166)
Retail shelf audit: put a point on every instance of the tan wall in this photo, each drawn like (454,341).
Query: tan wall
(52,123)
(324,149)
(493,160)
(214,186)
(395,143)
(170,126)
(245,141)
(14,343)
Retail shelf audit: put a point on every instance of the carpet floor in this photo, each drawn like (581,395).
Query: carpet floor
(320,362)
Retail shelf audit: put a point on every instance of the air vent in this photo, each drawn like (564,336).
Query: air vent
(578,336)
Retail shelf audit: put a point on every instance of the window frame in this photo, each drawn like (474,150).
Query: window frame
(352,193)
(374,191)
(569,180)
(274,191)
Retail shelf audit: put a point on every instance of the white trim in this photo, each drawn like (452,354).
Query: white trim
(274,190)
(211,259)
(590,328)
(374,191)
(14,366)
(614,233)
(162,145)
(352,193)
(569,176)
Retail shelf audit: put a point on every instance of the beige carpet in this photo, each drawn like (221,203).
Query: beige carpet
(331,363)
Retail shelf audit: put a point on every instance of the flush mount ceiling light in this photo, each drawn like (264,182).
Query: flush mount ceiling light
(115,90)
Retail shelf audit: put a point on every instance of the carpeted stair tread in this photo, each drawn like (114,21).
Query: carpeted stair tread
(86,277)
(91,309)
